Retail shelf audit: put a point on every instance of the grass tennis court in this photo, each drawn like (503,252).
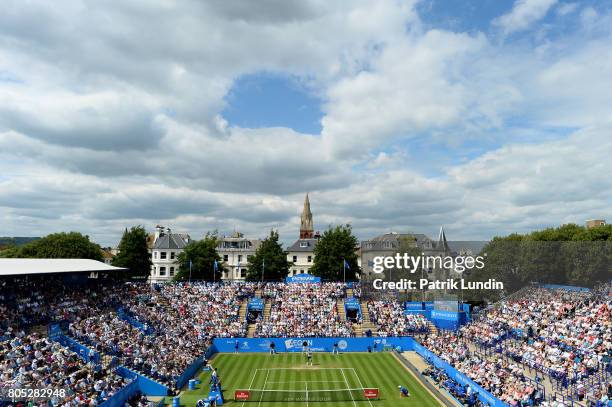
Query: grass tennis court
(284,380)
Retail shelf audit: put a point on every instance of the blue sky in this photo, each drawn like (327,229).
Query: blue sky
(273,100)
(487,117)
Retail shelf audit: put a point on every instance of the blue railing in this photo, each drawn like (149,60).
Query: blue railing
(134,322)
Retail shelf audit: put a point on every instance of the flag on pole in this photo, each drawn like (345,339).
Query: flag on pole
(216,265)
(263,268)
(345,265)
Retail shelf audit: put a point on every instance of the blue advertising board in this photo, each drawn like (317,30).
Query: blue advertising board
(303,278)
(448,319)
(256,304)
(425,312)
(411,305)
(249,345)
(352,303)
(445,315)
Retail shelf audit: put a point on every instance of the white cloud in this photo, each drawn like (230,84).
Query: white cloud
(523,14)
(107,125)
(567,8)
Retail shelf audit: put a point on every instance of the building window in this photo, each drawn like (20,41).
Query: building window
(162,271)
(242,273)
(154,255)
(295,259)
(309,259)
(172,256)
(162,255)
(172,271)
(303,244)
(301,271)
(225,257)
(239,258)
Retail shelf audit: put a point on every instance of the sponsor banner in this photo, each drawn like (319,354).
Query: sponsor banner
(55,330)
(256,304)
(448,319)
(248,345)
(242,395)
(370,393)
(303,278)
(425,313)
(445,315)
(414,305)
(352,303)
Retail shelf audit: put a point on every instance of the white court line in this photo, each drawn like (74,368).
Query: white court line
(306,394)
(251,384)
(360,384)
(348,386)
(309,381)
(303,368)
(264,387)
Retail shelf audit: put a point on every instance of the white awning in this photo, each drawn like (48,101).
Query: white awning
(17,267)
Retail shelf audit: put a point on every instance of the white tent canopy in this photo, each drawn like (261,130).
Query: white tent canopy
(17,267)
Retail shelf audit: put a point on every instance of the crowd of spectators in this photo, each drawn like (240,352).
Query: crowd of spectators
(390,319)
(201,310)
(34,300)
(504,380)
(160,330)
(32,361)
(564,334)
(304,310)
(159,356)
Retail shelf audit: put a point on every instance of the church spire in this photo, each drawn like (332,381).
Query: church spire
(442,242)
(306,226)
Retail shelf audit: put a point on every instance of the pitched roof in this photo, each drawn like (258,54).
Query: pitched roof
(172,241)
(297,245)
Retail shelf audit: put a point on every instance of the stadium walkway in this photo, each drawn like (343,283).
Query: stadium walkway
(416,365)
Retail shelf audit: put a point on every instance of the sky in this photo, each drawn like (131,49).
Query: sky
(485,116)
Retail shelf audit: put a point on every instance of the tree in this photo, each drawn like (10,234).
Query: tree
(407,245)
(134,253)
(202,255)
(336,246)
(569,254)
(269,258)
(72,245)
(502,259)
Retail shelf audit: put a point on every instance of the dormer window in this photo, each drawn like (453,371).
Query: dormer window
(303,244)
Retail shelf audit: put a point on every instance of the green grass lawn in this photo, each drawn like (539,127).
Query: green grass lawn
(329,372)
